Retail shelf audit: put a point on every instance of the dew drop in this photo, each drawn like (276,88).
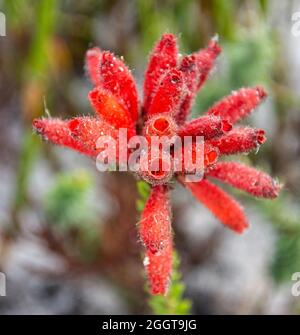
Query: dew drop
(146,261)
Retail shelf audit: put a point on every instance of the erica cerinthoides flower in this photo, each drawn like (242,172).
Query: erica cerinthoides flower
(171,84)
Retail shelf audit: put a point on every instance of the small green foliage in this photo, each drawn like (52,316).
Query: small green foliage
(173,303)
(66,203)
(143,191)
(69,211)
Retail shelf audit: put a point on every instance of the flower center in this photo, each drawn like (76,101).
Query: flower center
(159,170)
(160,125)
(210,156)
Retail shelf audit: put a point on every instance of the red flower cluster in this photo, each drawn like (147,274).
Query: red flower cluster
(171,84)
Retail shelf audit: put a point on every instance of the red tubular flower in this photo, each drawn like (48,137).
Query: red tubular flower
(87,130)
(156,234)
(168,95)
(155,224)
(92,65)
(206,59)
(60,132)
(246,178)
(206,126)
(239,140)
(188,67)
(158,267)
(196,68)
(110,73)
(170,87)
(109,108)
(239,104)
(164,57)
(225,208)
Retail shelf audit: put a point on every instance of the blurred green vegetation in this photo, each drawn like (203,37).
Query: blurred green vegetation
(34,79)
(67,204)
(69,211)
(284,215)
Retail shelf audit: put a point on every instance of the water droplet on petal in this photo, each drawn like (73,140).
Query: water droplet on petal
(146,261)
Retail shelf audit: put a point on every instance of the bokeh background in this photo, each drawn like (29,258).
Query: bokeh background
(68,239)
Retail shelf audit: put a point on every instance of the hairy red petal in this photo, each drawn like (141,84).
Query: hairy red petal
(239,104)
(206,59)
(92,64)
(156,234)
(206,126)
(159,268)
(239,140)
(222,205)
(168,95)
(155,224)
(196,68)
(116,78)
(246,178)
(57,131)
(88,130)
(109,108)
(189,68)
(163,58)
